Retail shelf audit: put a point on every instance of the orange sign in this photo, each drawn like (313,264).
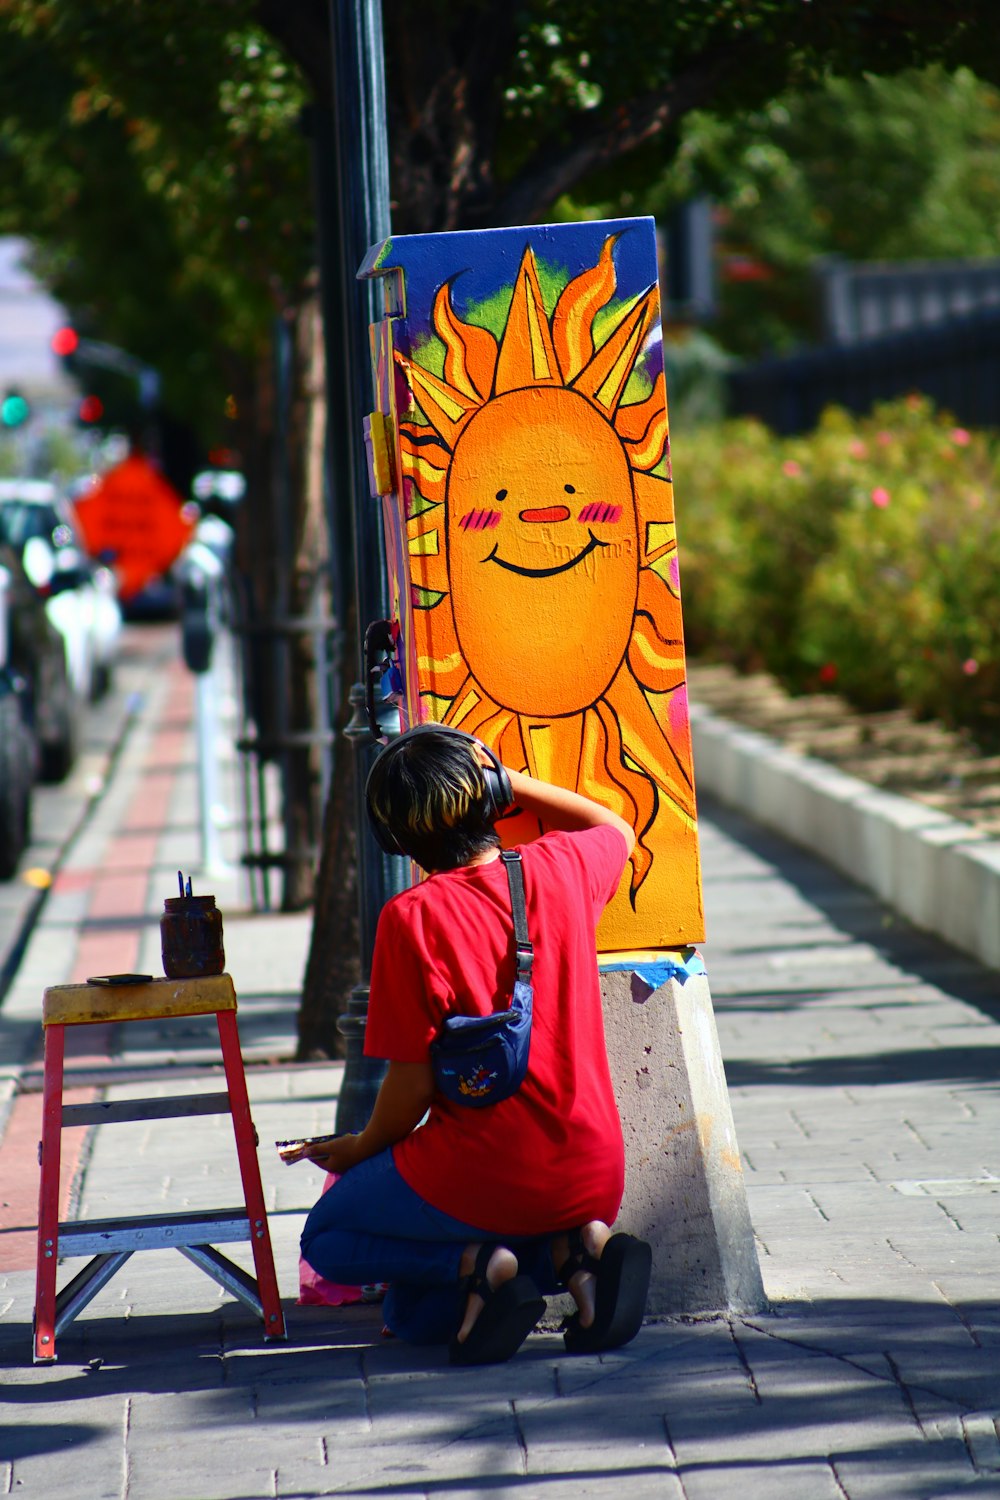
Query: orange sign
(134,518)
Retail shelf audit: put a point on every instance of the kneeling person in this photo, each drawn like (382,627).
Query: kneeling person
(472,1214)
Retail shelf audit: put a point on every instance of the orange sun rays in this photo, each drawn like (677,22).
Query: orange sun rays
(615,746)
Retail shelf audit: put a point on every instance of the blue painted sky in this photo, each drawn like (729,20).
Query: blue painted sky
(489,258)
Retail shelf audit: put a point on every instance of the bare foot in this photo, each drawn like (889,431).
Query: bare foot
(501,1267)
(582,1285)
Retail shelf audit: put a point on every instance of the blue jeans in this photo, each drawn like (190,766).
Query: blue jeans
(371,1226)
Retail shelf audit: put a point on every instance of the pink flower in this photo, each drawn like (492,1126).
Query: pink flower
(960,437)
(856,448)
(791,468)
(970,667)
(880,497)
(885,438)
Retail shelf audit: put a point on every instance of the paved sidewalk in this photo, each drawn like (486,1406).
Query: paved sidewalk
(862,1061)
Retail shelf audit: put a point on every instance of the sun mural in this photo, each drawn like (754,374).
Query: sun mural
(542,560)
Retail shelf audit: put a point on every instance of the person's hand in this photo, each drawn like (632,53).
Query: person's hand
(483,756)
(338,1156)
(321,1150)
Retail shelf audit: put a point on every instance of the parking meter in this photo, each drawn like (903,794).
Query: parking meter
(200,574)
(200,571)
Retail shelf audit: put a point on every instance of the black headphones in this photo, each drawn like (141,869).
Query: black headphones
(498,798)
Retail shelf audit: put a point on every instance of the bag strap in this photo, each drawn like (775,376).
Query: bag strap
(525,953)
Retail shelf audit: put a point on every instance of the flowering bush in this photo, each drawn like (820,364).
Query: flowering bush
(864,557)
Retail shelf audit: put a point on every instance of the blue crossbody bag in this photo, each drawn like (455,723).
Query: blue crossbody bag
(479,1060)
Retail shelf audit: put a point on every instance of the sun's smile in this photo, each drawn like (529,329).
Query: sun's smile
(502,562)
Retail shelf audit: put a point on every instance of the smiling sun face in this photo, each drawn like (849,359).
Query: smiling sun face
(541,530)
(543,566)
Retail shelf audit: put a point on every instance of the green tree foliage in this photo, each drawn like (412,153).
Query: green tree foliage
(496,111)
(894,168)
(153,157)
(153,152)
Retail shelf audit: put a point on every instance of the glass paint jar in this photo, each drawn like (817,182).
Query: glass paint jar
(191,937)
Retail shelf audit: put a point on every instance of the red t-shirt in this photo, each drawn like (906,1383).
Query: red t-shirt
(551,1156)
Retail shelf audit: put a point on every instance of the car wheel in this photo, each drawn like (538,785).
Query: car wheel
(102,680)
(59,753)
(16,774)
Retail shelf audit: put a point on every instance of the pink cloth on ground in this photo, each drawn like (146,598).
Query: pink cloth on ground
(314,1289)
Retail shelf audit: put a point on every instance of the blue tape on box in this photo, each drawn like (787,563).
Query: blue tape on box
(652,973)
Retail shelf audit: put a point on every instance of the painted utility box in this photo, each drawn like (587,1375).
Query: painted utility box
(521,451)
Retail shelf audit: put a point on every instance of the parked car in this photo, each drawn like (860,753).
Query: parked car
(38,708)
(17,743)
(80,593)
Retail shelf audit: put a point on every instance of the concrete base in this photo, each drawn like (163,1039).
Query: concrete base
(684,1188)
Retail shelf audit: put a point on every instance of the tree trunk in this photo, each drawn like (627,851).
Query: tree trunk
(282,581)
(334,964)
(308,688)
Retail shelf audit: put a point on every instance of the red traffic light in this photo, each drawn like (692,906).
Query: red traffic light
(65,341)
(91,409)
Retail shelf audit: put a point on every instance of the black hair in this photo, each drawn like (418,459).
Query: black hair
(430,792)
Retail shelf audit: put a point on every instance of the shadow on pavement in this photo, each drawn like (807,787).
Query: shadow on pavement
(860,1385)
(858,915)
(921,1065)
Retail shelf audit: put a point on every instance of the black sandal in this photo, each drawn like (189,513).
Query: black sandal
(622,1275)
(510,1311)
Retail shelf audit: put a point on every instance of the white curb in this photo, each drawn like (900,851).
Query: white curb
(938,873)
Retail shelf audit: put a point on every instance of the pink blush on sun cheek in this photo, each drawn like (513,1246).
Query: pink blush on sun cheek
(598,511)
(480,520)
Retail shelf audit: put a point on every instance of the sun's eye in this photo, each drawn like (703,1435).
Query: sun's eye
(570,489)
(501,494)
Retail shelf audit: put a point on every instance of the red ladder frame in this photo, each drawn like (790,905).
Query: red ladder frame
(111,1242)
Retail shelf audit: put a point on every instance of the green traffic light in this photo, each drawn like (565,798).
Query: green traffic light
(14,410)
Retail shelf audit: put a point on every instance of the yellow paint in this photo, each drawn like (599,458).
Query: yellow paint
(377,435)
(425,543)
(82,1004)
(428,665)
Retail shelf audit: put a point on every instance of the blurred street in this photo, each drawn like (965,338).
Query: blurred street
(59,809)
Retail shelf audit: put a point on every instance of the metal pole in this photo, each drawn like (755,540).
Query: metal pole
(363,181)
(201,575)
(206,732)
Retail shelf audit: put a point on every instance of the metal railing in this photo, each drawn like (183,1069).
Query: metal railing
(956,364)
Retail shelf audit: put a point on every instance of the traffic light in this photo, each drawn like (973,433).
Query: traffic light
(14,410)
(65,341)
(91,410)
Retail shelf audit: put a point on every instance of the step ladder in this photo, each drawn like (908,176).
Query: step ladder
(196,1234)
